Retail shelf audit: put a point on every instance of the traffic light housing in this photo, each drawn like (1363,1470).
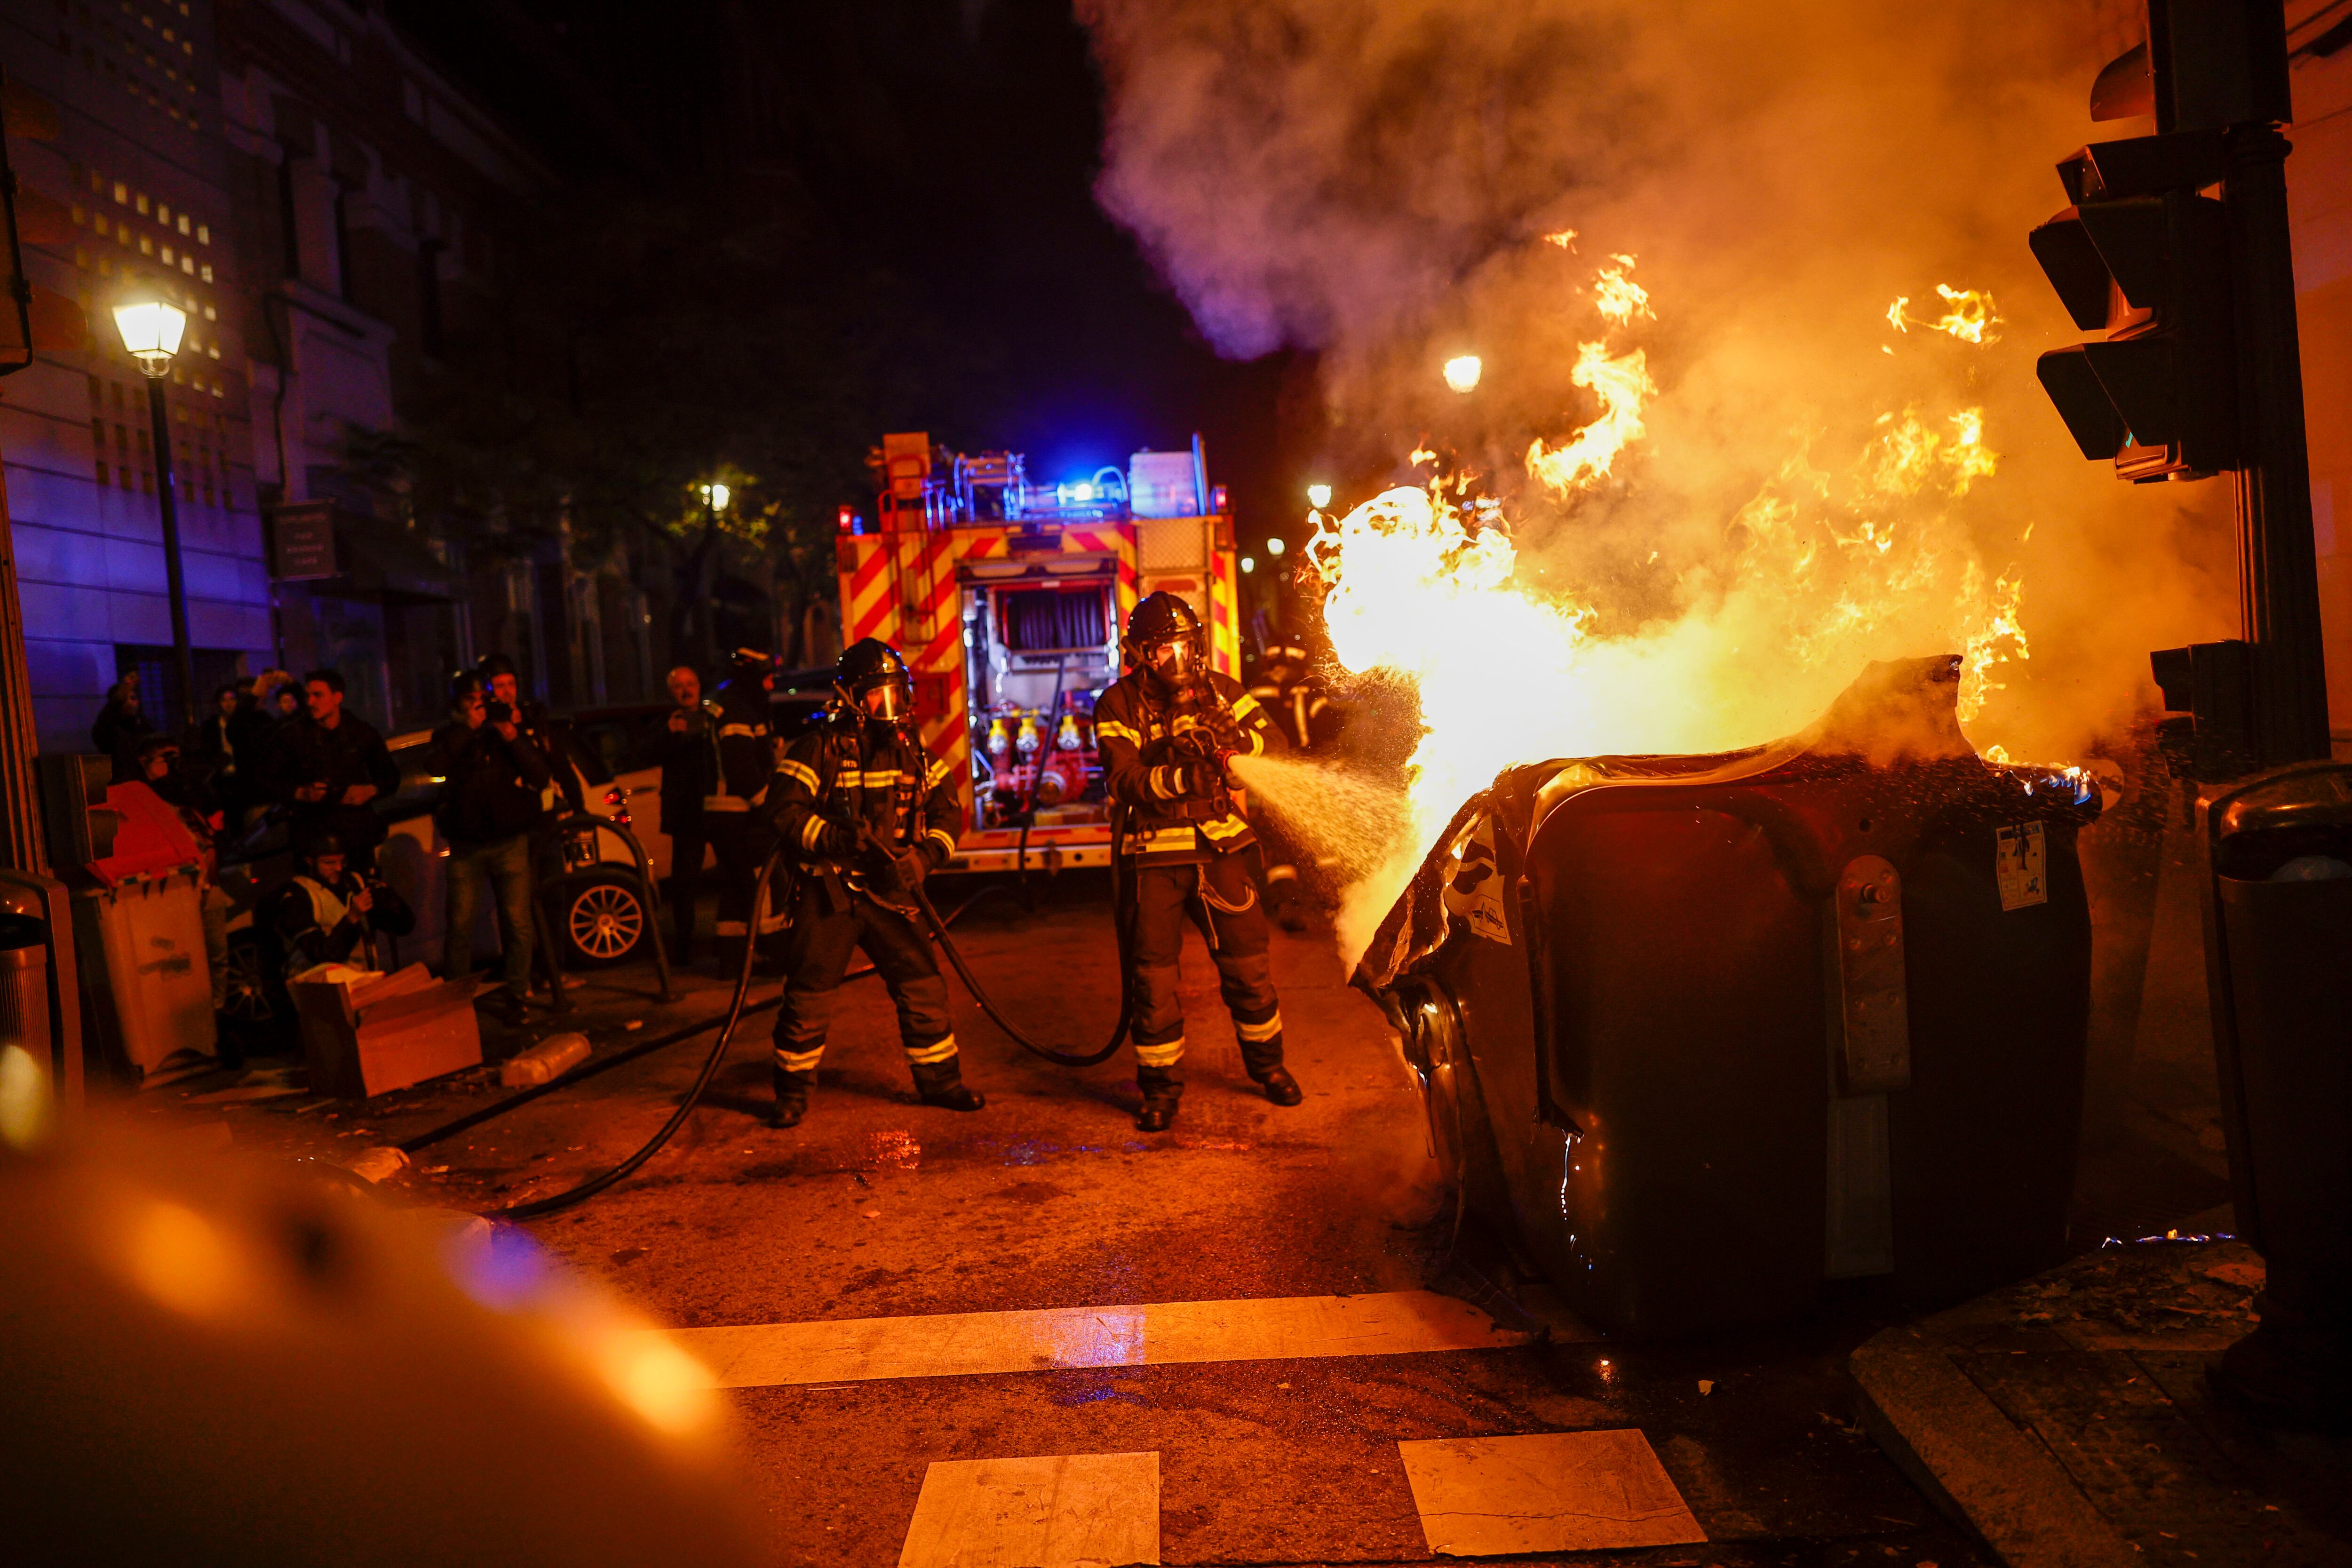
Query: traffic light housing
(33,320)
(2142,256)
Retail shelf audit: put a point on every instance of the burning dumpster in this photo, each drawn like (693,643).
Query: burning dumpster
(1701,1033)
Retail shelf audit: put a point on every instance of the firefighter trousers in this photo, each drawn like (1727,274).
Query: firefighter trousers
(817,946)
(744,840)
(1224,897)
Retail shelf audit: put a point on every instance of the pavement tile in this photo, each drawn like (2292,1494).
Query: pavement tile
(1545,1492)
(1061,1510)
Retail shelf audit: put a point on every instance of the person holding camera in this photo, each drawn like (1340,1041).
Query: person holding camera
(327,766)
(492,777)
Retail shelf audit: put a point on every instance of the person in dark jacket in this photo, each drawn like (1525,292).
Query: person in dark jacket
(326,767)
(121,726)
(686,774)
(210,748)
(328,912)
(502,687)
(492,777)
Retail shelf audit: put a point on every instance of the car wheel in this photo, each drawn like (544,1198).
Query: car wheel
(602,923)
(246,996)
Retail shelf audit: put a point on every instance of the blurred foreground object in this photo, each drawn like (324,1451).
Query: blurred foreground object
(216,1361)
(1696,1034)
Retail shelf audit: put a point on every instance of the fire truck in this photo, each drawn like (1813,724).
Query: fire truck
(1007,595)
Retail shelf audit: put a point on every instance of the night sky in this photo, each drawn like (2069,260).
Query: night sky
(952,145)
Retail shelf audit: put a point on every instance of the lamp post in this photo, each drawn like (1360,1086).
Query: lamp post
(151,330)
(714,502)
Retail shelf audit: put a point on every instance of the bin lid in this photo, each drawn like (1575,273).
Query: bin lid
(21,932)
(152,839)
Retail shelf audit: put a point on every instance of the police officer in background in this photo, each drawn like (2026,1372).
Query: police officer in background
(1165,731)
(687,769)
(743,760)
(869,814)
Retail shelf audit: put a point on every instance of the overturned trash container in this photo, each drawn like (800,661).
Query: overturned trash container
(2278,848)
(1699,1034)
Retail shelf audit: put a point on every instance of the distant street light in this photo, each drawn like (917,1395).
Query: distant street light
(1276,546)
(714,498)
(1462,371)
(1319,496)
(1249,563)
(151,330)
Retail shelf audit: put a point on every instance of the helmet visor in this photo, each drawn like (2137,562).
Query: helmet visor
(888,701)
(1177,659)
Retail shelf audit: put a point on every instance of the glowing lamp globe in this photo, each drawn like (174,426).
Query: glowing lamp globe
(1462,371)
(717,495)
(1276,545)
(1319,496)
(150,332)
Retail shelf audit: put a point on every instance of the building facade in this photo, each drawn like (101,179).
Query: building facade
(142,166)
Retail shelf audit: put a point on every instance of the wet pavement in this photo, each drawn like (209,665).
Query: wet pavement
(877,1207)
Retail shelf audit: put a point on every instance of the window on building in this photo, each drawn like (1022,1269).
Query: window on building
(289,217)
(167,256)
(204,234)
(428,296)
(205,272)
(121,193)
(140,201)
(162,215)
(102,480)
(146,482)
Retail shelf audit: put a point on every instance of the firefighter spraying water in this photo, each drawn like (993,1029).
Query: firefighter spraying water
(1167,731)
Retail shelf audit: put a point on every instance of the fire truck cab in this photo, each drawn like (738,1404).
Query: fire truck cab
(1006,596)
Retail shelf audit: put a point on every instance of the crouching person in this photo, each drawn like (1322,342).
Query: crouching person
(328,914)
(867,814)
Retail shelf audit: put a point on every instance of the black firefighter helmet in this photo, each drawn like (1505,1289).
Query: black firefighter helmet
(1164,639)
(873,683)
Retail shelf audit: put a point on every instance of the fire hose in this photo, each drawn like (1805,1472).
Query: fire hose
(1123,927)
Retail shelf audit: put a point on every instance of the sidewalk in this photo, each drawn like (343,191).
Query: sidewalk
(2066,1420)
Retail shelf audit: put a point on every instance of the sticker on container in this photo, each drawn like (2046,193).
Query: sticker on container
(1474,886)
(2021,862)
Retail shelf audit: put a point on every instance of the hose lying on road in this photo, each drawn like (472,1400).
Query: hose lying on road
(738,1007)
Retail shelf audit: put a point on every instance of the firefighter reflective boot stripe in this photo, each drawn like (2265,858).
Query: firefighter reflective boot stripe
(942,1050)
(1258,1034)
(800,1061)
(1166,1054)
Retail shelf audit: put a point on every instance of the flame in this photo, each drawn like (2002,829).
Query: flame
(1619,296)
(1969,315)
(1565,239)
(1835,560)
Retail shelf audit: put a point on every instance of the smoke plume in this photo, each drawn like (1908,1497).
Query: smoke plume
(1392,182)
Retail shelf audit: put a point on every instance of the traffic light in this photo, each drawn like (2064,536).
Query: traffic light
(2144,257)
(33,320)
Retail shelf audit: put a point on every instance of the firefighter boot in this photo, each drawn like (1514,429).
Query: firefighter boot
(941,1084)
(1162,1091)
(792,1096)
(1264,1060)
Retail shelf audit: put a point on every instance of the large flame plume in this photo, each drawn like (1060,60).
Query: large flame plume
(1673,514)
(1837,558)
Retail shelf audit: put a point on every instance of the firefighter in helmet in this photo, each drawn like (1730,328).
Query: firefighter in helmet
(743,760)
(1165,731)
(867,814)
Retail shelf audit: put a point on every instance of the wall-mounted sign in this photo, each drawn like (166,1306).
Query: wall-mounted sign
(303,540)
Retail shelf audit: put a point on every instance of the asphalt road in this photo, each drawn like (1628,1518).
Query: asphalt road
(879,1208)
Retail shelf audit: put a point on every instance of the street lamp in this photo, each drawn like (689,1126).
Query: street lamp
(1461,373)
(1319,496)
(714,499)
(151,330)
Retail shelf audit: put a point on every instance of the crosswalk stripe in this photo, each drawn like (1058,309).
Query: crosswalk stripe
(1062,1511)
(1544,1491)
(857,1350)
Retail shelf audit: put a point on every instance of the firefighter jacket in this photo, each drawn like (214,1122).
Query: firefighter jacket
(1309,719)
(1169,805)
(835,776)
(742,755)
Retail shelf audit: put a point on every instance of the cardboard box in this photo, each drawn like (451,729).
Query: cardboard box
(367,1034)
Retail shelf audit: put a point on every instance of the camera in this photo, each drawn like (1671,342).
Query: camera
(497,712)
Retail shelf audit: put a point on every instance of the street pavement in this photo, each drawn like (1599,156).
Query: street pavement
(1272,1442)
